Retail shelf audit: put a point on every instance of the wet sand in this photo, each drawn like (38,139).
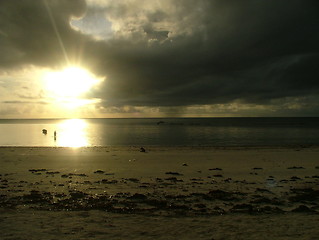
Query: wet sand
(163,193)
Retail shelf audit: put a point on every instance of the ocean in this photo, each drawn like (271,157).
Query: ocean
(160,132)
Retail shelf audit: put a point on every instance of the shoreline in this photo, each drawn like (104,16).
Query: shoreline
(195,147)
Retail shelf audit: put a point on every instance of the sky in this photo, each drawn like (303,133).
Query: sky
(159,58)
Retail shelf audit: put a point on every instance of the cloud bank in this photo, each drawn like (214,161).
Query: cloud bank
(174,54)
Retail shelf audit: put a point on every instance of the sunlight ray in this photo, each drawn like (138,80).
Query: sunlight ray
(57,32)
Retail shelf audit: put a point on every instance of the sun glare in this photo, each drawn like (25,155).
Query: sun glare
(72,133)
(67,86)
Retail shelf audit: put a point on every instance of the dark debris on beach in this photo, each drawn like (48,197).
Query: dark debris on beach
(172,195)
(211,203)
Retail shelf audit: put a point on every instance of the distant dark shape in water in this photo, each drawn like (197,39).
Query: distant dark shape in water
(142,149)
(54,135)
(44,131)
(160,122)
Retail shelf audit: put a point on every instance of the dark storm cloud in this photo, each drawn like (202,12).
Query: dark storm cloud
(28,35)
(178,52)
(255,51)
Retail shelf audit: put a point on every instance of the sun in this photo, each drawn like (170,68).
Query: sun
(69,85)
(70,82)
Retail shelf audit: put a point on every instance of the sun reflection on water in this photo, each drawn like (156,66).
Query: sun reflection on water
(72,133)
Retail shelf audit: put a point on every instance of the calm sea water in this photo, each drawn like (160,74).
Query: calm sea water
(161,132)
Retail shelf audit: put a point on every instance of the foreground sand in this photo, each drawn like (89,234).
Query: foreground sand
(165,193)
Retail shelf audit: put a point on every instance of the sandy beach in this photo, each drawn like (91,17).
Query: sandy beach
(163,193)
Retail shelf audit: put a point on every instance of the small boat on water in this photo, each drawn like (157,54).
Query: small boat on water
(44,131)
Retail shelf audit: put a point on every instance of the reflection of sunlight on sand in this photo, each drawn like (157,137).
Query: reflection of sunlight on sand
(72,133)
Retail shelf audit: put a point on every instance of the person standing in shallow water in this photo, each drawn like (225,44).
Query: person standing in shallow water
(54,135)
